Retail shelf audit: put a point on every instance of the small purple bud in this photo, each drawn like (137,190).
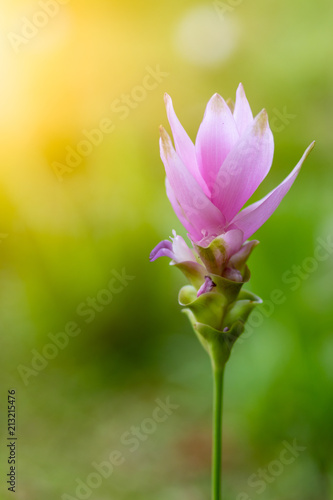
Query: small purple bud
(207,286)
(232,274)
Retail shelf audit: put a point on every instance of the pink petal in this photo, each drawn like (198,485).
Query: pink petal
(196,235)
(239,259)
(182,252)
(233,239)
(196,207)
(254,216)
(244,168)
(183,144)
(242,113)
(163,249)
(232,274)
(177,250)
(216,136)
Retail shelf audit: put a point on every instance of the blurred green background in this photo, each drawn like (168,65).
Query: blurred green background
(65,230)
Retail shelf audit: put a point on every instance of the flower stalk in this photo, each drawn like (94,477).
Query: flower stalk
(218,375)
(207,184)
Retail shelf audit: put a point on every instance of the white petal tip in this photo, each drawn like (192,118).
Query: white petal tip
(308,150)
(216,99)
(241,88)
(164,134)
(165,141)
(261,122)
(217,104)
(167,99)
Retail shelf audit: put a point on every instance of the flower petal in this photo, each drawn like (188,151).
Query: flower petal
(181,250)
(242,113)
(177,250)
(233,240)
(255,215)
(245,168)
(232,274)
(197,208)
(238,260)
(163,249)
(216,136)
(196,235)
(183,144)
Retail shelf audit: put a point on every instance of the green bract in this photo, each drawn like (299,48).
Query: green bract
(218,315)
(217,320)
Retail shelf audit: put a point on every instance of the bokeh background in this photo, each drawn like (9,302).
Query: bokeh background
(67,228)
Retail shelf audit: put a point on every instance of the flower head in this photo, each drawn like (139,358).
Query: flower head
(209,182)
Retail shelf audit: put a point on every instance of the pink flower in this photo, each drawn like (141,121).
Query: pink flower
(209,182)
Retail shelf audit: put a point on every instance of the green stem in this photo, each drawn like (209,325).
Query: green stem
(217,433)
